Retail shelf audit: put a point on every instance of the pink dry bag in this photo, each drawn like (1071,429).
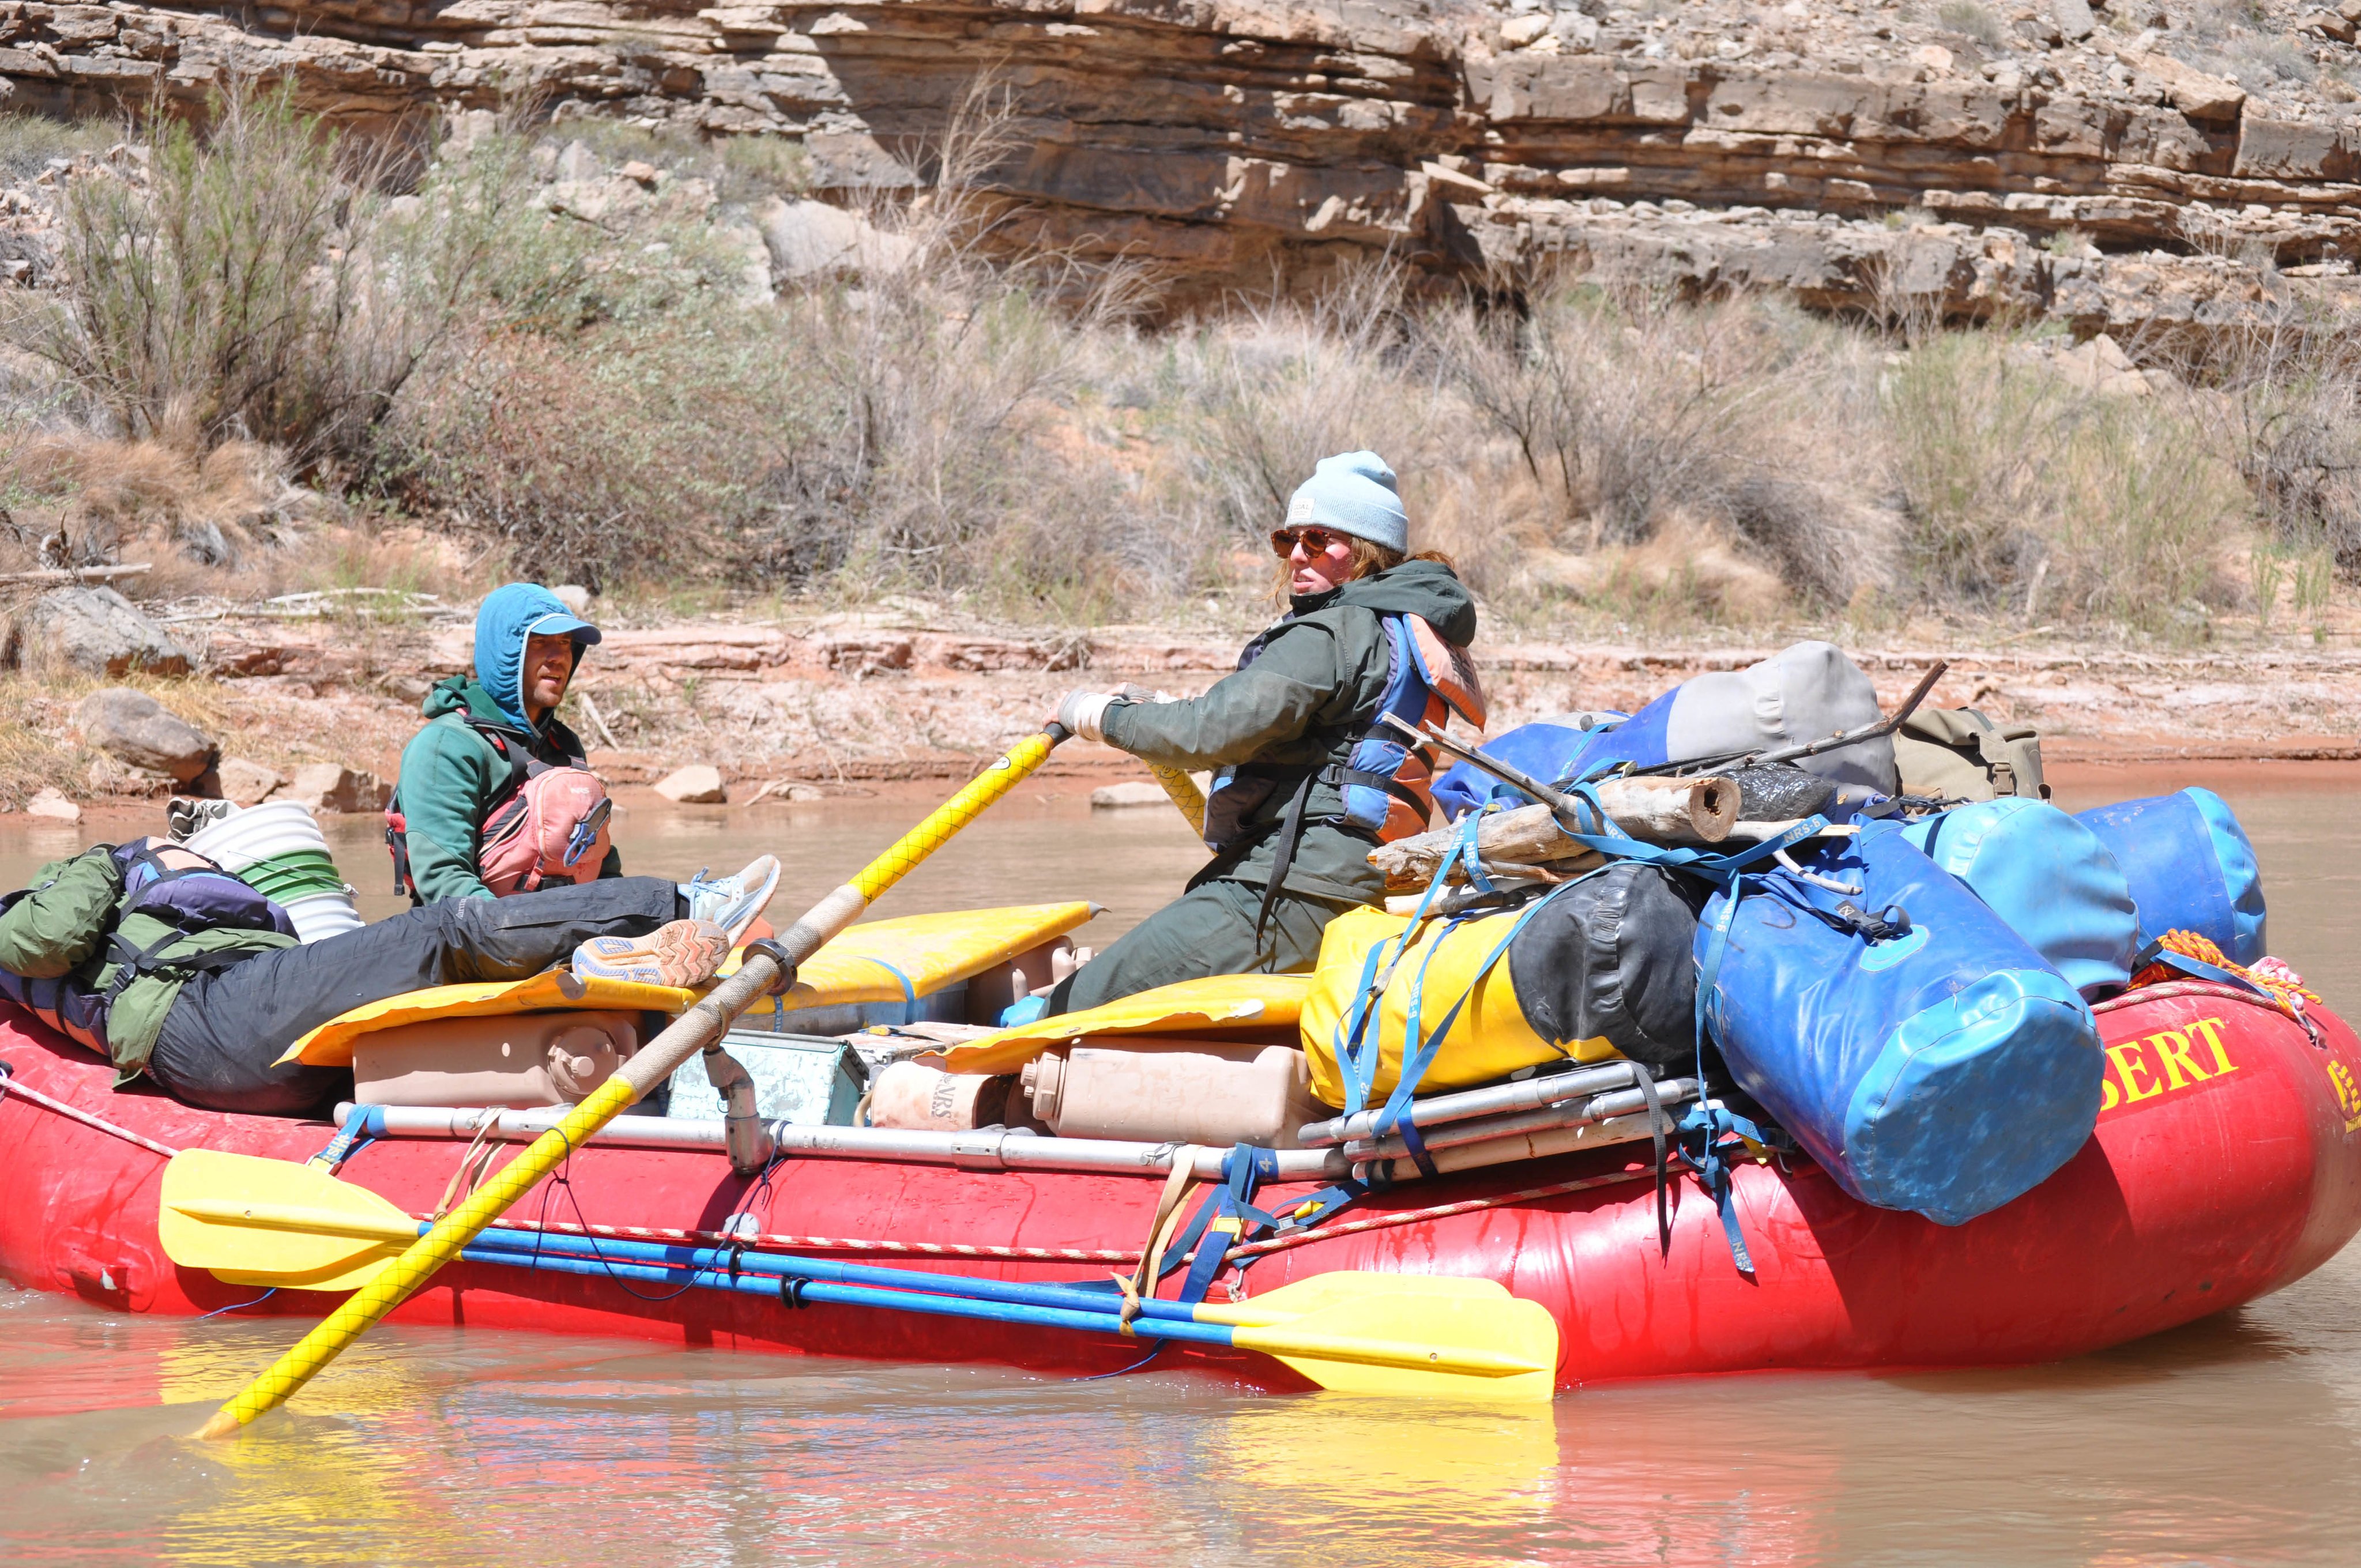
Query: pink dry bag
(552,830)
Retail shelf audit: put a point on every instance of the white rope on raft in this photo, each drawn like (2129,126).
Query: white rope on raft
(9,1086)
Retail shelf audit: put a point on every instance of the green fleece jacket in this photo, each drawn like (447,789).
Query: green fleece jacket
(1312,687)
(60,930)
(450,777)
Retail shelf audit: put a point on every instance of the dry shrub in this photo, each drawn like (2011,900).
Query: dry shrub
(2291,420)
(1688,569)
(617,451)
(161,501)
(1629,409)
(2028,493)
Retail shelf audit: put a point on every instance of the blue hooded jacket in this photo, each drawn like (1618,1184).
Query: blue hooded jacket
(509,616)
(451,772)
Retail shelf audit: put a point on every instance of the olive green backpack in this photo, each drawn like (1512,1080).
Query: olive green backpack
(1960,754)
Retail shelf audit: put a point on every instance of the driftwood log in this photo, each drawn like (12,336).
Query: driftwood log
(1656,811)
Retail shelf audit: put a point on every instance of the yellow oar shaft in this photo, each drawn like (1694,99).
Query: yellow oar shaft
(690,1032)
(1184,792)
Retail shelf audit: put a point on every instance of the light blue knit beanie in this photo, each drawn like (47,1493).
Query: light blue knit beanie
(1353,493)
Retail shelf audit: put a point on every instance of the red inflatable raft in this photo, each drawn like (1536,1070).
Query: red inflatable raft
(2226,1164)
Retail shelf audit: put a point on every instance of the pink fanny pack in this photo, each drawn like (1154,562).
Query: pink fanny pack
(552,830)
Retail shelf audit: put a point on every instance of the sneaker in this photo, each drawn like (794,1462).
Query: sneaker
(732,903)
(682,954)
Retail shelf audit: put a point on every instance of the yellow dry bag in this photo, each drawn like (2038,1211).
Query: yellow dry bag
(1488,1039)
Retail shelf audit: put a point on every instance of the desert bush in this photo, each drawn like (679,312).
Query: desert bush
(1973,20)
(1629,406)
(248,280)
(28,141)
(2024,489)
(2290,421)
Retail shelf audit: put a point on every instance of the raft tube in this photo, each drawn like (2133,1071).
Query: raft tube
(2226,1163)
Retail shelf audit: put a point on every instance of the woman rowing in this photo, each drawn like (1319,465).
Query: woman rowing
(1307,778)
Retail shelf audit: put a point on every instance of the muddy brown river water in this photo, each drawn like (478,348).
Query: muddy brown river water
(2235,1440)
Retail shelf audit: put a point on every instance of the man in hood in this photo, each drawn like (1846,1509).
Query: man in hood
(483,736)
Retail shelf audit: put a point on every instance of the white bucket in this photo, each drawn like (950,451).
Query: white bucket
(319,915)
(259,833)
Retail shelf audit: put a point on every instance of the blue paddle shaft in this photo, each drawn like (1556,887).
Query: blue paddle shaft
(718,1260)
(771,1286)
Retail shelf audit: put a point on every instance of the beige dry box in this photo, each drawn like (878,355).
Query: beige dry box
(519,1059)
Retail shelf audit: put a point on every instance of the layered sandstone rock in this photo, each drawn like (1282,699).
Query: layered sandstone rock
(2055,161)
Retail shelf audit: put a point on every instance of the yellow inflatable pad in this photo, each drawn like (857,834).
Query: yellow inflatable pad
(1488,1039)
(1194,1006)
(867,963)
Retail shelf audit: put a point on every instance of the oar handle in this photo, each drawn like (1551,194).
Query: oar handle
(689,1033)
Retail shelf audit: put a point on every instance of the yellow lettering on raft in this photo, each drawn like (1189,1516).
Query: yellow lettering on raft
(2126,1059)
(2172,1050)
(2211,1029)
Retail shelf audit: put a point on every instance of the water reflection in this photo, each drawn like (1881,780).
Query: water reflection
(2229,1440)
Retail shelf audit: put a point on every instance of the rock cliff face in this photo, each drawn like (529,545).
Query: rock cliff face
(2041,159)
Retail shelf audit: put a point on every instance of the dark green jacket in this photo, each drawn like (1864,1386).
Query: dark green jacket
(62,927)
(1306,698)
(450,778)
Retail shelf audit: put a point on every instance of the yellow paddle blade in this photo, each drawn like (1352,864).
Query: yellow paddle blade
(268,1222)
(1208,1003)
(1423,1347)
(1344,1287)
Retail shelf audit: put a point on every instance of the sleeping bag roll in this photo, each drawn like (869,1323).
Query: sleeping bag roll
(1940,1066)
(1598,968)
(2048,877)
(2191,868)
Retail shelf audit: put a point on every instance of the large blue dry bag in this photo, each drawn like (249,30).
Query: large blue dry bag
(2189,866)
(2048,877)
(1944,1068)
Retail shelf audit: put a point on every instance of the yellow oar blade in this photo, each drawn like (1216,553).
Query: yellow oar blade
(1422,1347)
(267,1222)
(1344,1287)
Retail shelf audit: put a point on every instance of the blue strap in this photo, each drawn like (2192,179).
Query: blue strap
(1420,1050)
(909,992)
(1708,1132)
(2156,952)
(362,1126)
(1246,1167)
(1357,1050)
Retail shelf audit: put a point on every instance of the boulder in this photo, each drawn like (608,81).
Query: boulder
(332,786)
(1127,794)
(2073,18)
(95,631)
(574,597)
(811,241)
(696,784)
(135,728)
(50,805)
(248,783)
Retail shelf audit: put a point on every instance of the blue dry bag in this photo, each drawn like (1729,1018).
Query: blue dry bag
(1922,1053)
(2189,867)
(2048,877)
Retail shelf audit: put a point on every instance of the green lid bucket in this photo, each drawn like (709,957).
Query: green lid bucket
(293,875)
